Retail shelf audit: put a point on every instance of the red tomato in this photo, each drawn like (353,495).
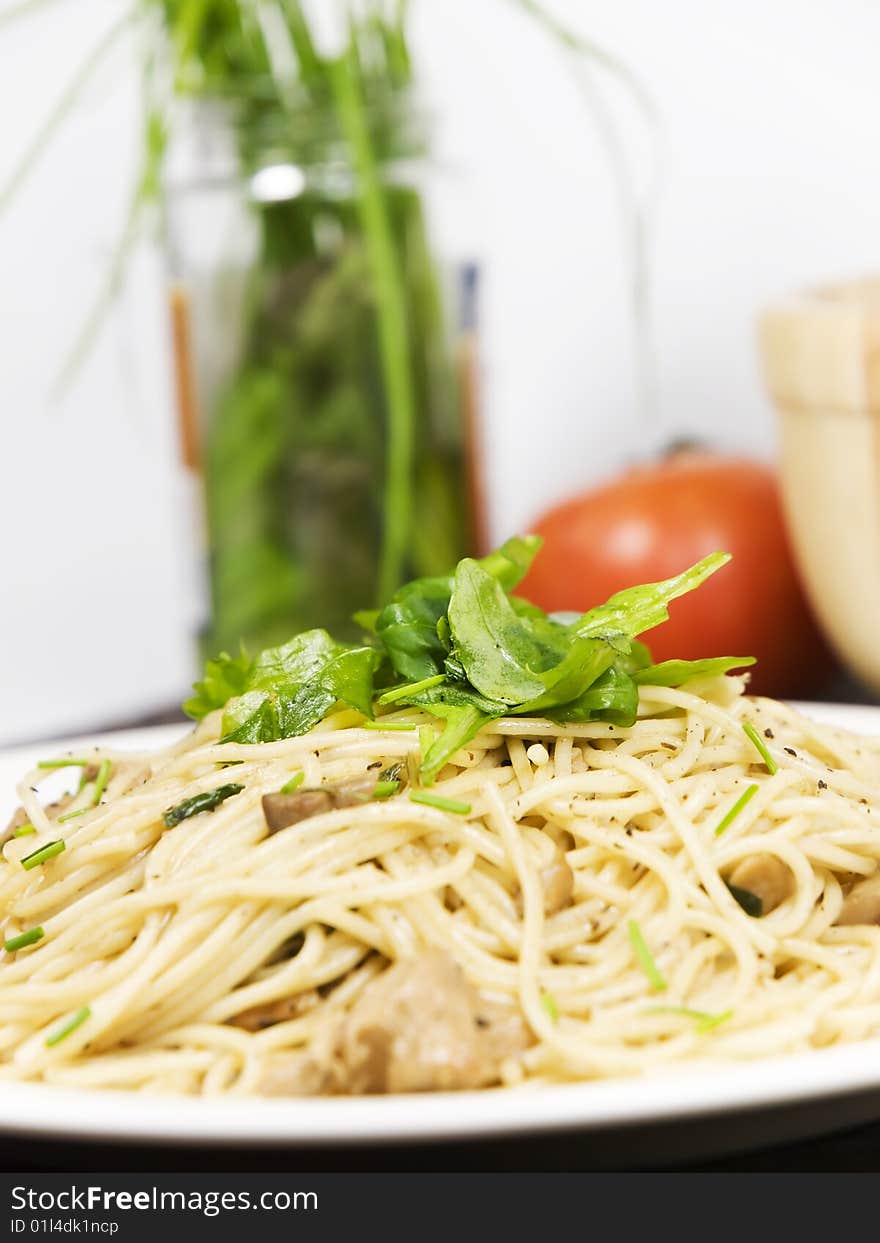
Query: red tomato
(653,522)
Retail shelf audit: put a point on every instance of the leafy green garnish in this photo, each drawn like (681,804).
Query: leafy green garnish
(466,650)
(289,689)
(677,672)
(225,677)
(613,697)
(208,801)
(409,627)
(637,609)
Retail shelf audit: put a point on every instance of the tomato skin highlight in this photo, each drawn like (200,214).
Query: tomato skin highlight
(652,522)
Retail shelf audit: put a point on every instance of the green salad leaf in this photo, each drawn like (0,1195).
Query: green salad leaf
(466,650)
(225,676)
(409,627)
(638,609)
(677,672)
(289,689)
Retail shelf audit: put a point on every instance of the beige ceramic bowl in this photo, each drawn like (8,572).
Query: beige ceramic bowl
(821,359)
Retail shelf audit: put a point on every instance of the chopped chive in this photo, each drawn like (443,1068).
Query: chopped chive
(758,743)
(384,789)
(72,815)
(441,803)
(23,939)
(705,1022)
(293,784)
(70,1025)
(71,763)
(750,902)
(101,782)
(744,799)
(549,1004)
(643,954)
(36,857)
(380,724)
(24,830)
(411,688)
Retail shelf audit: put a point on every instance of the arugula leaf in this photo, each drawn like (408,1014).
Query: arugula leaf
(676,672)
(586,661)
(498,648)
(638,609)
(465,712)
(462,724)
(613,697)
(510,563)
(467,651)
(225,677)
(407,628)
(412,627)
(293,687)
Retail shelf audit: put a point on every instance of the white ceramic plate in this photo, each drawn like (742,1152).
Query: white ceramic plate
(826,1088)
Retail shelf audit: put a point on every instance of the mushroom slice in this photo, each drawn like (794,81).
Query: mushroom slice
(283,810)
(767,877)
(862,904)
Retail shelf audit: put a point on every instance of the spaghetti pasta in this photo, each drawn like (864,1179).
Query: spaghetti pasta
(214,954)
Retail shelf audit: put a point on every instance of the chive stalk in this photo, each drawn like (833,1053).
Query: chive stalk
(549,1004)
(293,784)
(744,799)
(645,958)
(24,830)
(72,815)
(411,688)
(43,855)
(427,799)
(380,724)
(394,338)
(101,782)
(65,763)
(70,1025)
(23,940)
(758,743)
(705,1021)
(384,789)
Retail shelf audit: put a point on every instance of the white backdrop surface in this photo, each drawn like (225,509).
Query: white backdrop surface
(770,133)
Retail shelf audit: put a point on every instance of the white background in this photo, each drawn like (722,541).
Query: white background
(770,136)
